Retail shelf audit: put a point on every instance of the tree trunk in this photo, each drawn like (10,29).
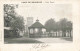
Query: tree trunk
(70,33)
(63,33)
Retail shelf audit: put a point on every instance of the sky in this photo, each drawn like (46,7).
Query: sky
(45,11)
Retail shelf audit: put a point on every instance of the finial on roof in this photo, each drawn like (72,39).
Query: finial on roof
(37,19)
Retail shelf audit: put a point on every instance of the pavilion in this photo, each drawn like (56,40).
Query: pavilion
(36,29)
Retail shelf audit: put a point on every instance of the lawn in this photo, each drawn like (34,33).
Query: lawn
(20,40)
(37,40)
(67,38)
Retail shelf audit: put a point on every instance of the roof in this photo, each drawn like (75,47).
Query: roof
(37,24)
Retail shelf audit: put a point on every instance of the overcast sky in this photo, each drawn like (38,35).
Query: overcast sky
(45,11)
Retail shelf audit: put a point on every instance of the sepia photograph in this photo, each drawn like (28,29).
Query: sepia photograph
(38,23)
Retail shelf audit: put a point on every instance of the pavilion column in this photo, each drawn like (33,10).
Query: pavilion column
(56,33)
(40,32)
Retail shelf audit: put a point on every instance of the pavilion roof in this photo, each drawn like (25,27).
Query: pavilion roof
(37,24)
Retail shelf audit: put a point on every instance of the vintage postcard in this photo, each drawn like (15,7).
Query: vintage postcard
(40,25)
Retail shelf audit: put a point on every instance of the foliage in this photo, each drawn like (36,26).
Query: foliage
(9,13)
(50,25)
(63,25)
(18,23)
(11,18)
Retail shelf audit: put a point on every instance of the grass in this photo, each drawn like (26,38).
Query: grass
(29,40)
(68,38)
(17,40)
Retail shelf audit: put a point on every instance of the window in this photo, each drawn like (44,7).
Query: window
(43,30)
(31,31)
(36,30)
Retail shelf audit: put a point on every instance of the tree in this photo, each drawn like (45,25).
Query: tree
(69,27)
(50,25)
(18,23)
(9,13)
(65,25)
(12,19)
(62,23)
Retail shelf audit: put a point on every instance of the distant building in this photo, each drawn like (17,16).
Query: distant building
(29,21)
